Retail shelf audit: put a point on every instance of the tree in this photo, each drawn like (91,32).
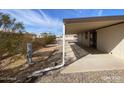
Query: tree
(5,21)
(11,43)
(11,25)
(19,27)
(0,19)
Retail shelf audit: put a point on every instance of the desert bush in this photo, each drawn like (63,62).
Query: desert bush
(12,43)
(16,43)
(48,38)
(37,44)
(10,35)
(45,39)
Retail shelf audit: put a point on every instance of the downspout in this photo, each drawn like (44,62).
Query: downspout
(40,72)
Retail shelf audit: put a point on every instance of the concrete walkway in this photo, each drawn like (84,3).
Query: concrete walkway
(69,54)
(78,51)
(95,62)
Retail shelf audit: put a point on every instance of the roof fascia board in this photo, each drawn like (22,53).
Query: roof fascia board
(92,19)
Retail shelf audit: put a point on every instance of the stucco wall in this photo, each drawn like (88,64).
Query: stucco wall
(82,40)
(111,40)
(71,38)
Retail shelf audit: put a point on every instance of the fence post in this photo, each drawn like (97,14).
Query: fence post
(29,53)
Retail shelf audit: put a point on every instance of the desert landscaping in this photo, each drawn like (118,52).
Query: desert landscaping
(14,59)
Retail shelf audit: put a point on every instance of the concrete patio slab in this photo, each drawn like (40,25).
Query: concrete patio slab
(95,62)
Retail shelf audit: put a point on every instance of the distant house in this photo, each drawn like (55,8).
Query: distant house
(103,33)
(31,35)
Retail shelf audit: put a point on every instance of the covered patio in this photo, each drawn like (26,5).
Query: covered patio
(94,60)
(100,42)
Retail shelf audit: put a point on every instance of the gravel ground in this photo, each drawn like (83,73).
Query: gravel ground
(114,76)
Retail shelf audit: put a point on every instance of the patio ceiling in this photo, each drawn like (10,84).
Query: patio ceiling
(78,25)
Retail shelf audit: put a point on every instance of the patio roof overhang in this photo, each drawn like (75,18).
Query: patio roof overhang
(79,25)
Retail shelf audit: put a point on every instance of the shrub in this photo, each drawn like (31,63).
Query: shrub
(12,43)
(48,38)
(16,43)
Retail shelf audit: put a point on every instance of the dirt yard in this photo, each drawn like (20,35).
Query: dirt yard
(16,69)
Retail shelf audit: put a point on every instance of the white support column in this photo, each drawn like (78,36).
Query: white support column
(63,44)
(40,72)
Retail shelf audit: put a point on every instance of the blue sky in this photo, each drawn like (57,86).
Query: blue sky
(51,20)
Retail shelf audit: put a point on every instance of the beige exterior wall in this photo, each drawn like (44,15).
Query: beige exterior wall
(71,38)
(111,40)
(82,40)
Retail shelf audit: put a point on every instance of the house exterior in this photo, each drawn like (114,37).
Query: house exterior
(103,33)
(71,38)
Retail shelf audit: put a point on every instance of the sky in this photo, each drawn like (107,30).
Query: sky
(51,20)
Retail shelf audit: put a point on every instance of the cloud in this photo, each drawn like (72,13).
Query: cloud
(81,12)
(100,12)
(88,12)
(37,19)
